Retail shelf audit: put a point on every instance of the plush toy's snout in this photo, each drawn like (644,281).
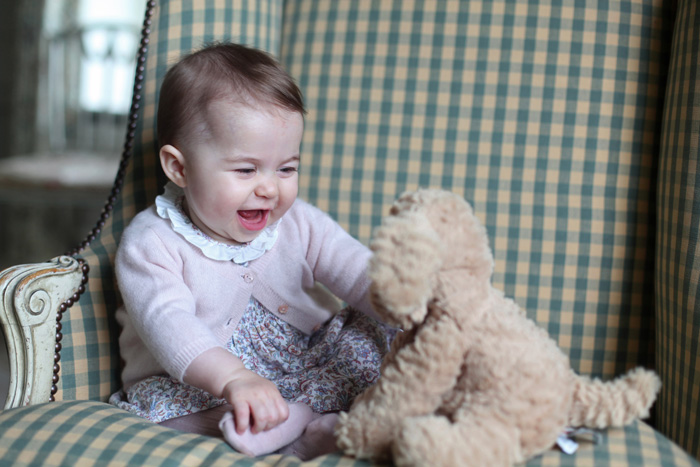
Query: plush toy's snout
(426,231)
(407,253)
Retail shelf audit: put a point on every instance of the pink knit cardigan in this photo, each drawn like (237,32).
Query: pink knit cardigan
(178,303)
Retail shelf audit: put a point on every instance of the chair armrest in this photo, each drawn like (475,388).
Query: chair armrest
(32,300)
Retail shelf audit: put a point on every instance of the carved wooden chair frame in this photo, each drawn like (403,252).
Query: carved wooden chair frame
(35,296)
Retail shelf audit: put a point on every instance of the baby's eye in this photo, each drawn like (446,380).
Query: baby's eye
(246,171)
(288,170)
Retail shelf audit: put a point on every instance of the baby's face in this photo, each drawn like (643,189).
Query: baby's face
(242,174)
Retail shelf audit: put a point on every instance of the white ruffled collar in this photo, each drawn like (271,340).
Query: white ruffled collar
(169,206)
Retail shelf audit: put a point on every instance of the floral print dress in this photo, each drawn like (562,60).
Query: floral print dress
(325,370)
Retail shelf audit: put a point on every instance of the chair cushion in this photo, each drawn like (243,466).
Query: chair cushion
(86,432)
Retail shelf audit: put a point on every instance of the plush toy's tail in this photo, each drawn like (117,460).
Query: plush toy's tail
(599,404)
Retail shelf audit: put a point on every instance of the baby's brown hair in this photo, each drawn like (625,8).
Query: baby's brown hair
(219,70)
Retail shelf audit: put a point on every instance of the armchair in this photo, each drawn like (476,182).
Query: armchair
(572,129)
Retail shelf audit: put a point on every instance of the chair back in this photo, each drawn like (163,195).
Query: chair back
(543,116)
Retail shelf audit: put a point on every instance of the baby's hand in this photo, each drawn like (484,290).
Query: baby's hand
(257,404)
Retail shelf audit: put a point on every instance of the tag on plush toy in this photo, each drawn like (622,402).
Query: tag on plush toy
(566,442)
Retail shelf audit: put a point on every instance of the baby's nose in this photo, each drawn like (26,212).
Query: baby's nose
(267,188)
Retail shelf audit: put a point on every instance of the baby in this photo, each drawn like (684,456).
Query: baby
(221,331)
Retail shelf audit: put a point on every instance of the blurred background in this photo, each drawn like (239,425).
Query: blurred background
(66,79)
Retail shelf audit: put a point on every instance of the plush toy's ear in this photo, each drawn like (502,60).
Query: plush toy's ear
(408,254)
(459,230)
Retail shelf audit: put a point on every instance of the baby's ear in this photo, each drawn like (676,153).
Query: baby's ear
(173,163)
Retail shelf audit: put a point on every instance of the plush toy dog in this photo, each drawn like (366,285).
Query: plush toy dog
(471,380)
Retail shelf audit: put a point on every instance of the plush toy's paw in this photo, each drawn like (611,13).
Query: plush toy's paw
(347,436)
(358,434)
(422,440)
(436,441)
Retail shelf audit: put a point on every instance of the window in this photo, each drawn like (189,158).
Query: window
(52,190)
(88,50)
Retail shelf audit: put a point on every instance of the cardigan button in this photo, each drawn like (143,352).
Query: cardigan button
(247,278)
(283,309)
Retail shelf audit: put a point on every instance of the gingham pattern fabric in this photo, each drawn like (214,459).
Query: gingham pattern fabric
(543,116)
(94,433)
(678,229)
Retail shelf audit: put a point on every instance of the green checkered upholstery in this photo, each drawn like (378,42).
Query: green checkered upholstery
(85,433)
(94,433)
(678,248)
(547,116)
(542,116)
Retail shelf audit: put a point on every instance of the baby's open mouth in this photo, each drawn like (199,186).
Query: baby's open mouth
(253,219)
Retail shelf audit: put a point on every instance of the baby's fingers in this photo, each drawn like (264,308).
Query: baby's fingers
(241,415)
(269,413)
(282,410)
(264,415)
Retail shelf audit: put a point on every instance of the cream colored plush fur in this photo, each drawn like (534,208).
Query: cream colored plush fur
(471,380)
